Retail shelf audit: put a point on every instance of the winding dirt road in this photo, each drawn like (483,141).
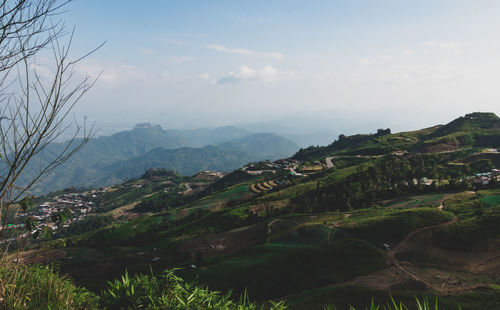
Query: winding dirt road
(271,224)
(392,253)
(397,248)
(329,163)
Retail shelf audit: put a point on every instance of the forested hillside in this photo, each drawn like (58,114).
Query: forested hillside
(368,218)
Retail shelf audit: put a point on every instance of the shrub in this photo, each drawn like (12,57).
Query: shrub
(40,287)
(168,291)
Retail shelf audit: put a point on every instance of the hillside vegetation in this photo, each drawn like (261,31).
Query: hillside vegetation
(352,223)
(471,130)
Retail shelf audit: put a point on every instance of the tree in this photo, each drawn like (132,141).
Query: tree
(35,109)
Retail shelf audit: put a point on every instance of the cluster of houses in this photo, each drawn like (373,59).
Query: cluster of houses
(80,205)
(211,174)
(271,167)
(485,177)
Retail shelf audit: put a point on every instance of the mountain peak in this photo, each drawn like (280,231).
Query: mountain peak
(143,126)
(146,126)
(484,116)
(470,122)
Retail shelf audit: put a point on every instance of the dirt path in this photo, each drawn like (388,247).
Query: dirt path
(401,270)
(271,224)
(188,189)
(441,206)
(392,253)
(339,223)
(329,163)
(396,249)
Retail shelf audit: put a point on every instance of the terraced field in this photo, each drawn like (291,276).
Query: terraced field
(264,186)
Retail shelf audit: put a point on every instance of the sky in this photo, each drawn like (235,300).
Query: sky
(190,64)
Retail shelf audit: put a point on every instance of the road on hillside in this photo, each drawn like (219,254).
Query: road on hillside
(329,163)
(397,248)
(271,224)
(392,253)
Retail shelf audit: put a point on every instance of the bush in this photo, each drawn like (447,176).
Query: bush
(168,291)
(39,287)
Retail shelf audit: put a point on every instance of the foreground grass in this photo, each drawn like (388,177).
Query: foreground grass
(39,287)
(168,291)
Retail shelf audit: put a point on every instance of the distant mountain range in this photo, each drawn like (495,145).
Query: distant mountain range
(110,159)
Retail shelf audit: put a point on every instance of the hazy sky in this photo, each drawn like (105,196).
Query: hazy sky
(204,63)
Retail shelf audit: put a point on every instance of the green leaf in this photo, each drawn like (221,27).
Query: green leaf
(26,202)
(30,223)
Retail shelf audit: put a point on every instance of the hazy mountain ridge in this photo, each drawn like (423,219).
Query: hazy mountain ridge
(207,136)
(112,159)
(268,145)
(186,161)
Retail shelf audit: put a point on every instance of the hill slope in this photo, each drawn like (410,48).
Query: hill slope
(408,223)
(471,130)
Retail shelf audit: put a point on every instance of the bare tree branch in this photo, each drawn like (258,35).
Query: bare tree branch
(34,108)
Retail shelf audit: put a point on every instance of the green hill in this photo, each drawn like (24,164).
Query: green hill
(378,222)
(472,130)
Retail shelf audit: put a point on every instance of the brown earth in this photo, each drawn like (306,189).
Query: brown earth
(225,243)
(40,256)
(258,208)
(125,211)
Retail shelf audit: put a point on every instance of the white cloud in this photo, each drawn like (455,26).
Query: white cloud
(386,57)
(266,74)
(244,51)
(181,59)
(408,52)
